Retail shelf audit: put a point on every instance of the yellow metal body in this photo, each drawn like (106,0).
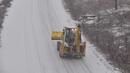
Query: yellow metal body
(78,48)
(57,35)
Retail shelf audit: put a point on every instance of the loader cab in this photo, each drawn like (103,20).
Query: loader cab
(69,36)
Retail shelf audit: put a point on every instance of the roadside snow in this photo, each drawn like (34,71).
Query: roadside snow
(96,61)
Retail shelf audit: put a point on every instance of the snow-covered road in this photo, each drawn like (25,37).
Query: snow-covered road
(27,45)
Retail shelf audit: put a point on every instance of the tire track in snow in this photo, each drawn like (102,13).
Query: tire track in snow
(31,7)
(49,51)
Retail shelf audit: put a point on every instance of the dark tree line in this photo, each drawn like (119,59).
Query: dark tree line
(3,9)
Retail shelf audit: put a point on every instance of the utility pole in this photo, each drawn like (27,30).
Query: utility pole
(116,5)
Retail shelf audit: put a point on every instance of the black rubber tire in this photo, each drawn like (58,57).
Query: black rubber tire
(60,55)
(58,45)
(79,57)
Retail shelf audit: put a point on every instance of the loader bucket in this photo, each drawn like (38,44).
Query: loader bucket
(57,35)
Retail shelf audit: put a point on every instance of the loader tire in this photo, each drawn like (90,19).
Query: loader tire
(79,57)
(58,45)
(61,56)
(61,53)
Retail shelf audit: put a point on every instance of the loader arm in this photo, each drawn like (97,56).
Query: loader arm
(56,35)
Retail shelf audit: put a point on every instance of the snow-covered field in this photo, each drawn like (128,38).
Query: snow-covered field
(27,45)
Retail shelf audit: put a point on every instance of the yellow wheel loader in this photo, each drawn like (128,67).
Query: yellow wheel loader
(69,42)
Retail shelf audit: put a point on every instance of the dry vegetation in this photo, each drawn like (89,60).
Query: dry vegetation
(4,4)
(111,33)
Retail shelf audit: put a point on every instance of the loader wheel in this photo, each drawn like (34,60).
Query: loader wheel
(61,53)
(58,45)
(83,51)
(83,54)
(61,56)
